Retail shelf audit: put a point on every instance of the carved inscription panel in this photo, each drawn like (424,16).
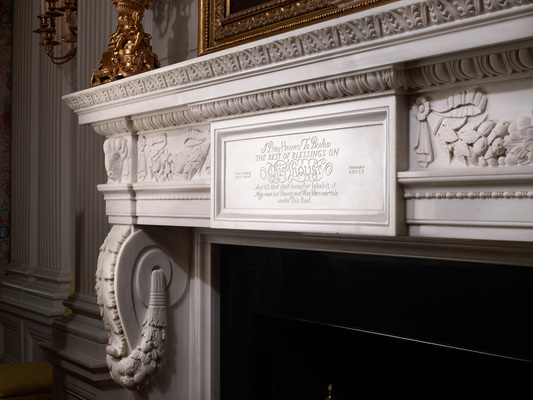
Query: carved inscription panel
(329,171)
(338,169)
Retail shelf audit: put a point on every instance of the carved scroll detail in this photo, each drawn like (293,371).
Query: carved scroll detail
(125,259)
(131,371)
(460,126)
(105,289)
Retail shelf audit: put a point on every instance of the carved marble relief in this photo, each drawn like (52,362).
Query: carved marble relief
(105,290)
(501,64)
(461,127)
(127,261)
(131,371)
(159,163)
(117,159)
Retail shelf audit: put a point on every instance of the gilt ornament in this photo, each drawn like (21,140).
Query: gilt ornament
(129,50)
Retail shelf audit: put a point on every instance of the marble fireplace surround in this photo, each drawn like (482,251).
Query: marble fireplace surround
(418,115)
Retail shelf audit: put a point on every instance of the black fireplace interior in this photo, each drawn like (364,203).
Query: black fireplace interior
(293,322)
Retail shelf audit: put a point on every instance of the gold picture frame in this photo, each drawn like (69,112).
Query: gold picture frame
(227,23)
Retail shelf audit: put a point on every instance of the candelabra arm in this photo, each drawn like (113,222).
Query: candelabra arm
(50,38)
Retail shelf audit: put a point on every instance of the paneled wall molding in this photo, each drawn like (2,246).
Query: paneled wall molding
(59,206)
(83,328)
(42,246)
(77,351)
(414,17)
(39,289)
(22,331)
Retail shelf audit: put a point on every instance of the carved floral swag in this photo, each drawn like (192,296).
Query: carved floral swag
(460,127)
(6,13)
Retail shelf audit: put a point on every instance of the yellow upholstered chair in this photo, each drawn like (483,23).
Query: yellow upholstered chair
(26,381)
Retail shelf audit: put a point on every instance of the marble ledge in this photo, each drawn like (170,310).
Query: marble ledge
(158,204)
(305,56)
(512,174)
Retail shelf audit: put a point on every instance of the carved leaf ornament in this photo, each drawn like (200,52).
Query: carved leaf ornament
(474,141)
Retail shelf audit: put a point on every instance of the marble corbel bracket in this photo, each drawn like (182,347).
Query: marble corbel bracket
(141,275)
(119,149)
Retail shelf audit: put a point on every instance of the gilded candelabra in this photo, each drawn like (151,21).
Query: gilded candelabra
(129,51)
(49,34)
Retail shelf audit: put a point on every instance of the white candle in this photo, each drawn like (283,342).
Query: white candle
(43,7)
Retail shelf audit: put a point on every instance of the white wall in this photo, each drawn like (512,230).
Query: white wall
(58,220)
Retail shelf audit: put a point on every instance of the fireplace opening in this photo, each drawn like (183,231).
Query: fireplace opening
(294,322)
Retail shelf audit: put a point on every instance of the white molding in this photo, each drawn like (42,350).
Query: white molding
(128,260)
(364,131)
(517,253)
(206,310)
(415,17)
(461,58)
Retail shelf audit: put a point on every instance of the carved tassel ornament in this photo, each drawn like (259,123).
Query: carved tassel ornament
(134,370)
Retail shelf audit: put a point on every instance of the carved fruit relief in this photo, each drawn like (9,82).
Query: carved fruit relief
(462,129)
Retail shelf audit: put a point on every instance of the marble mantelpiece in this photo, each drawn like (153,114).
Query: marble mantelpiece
(431,100)
(401,52)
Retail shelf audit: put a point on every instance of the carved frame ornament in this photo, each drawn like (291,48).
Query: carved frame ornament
(227,23)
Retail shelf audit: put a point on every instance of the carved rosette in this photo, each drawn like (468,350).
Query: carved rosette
(127,258)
